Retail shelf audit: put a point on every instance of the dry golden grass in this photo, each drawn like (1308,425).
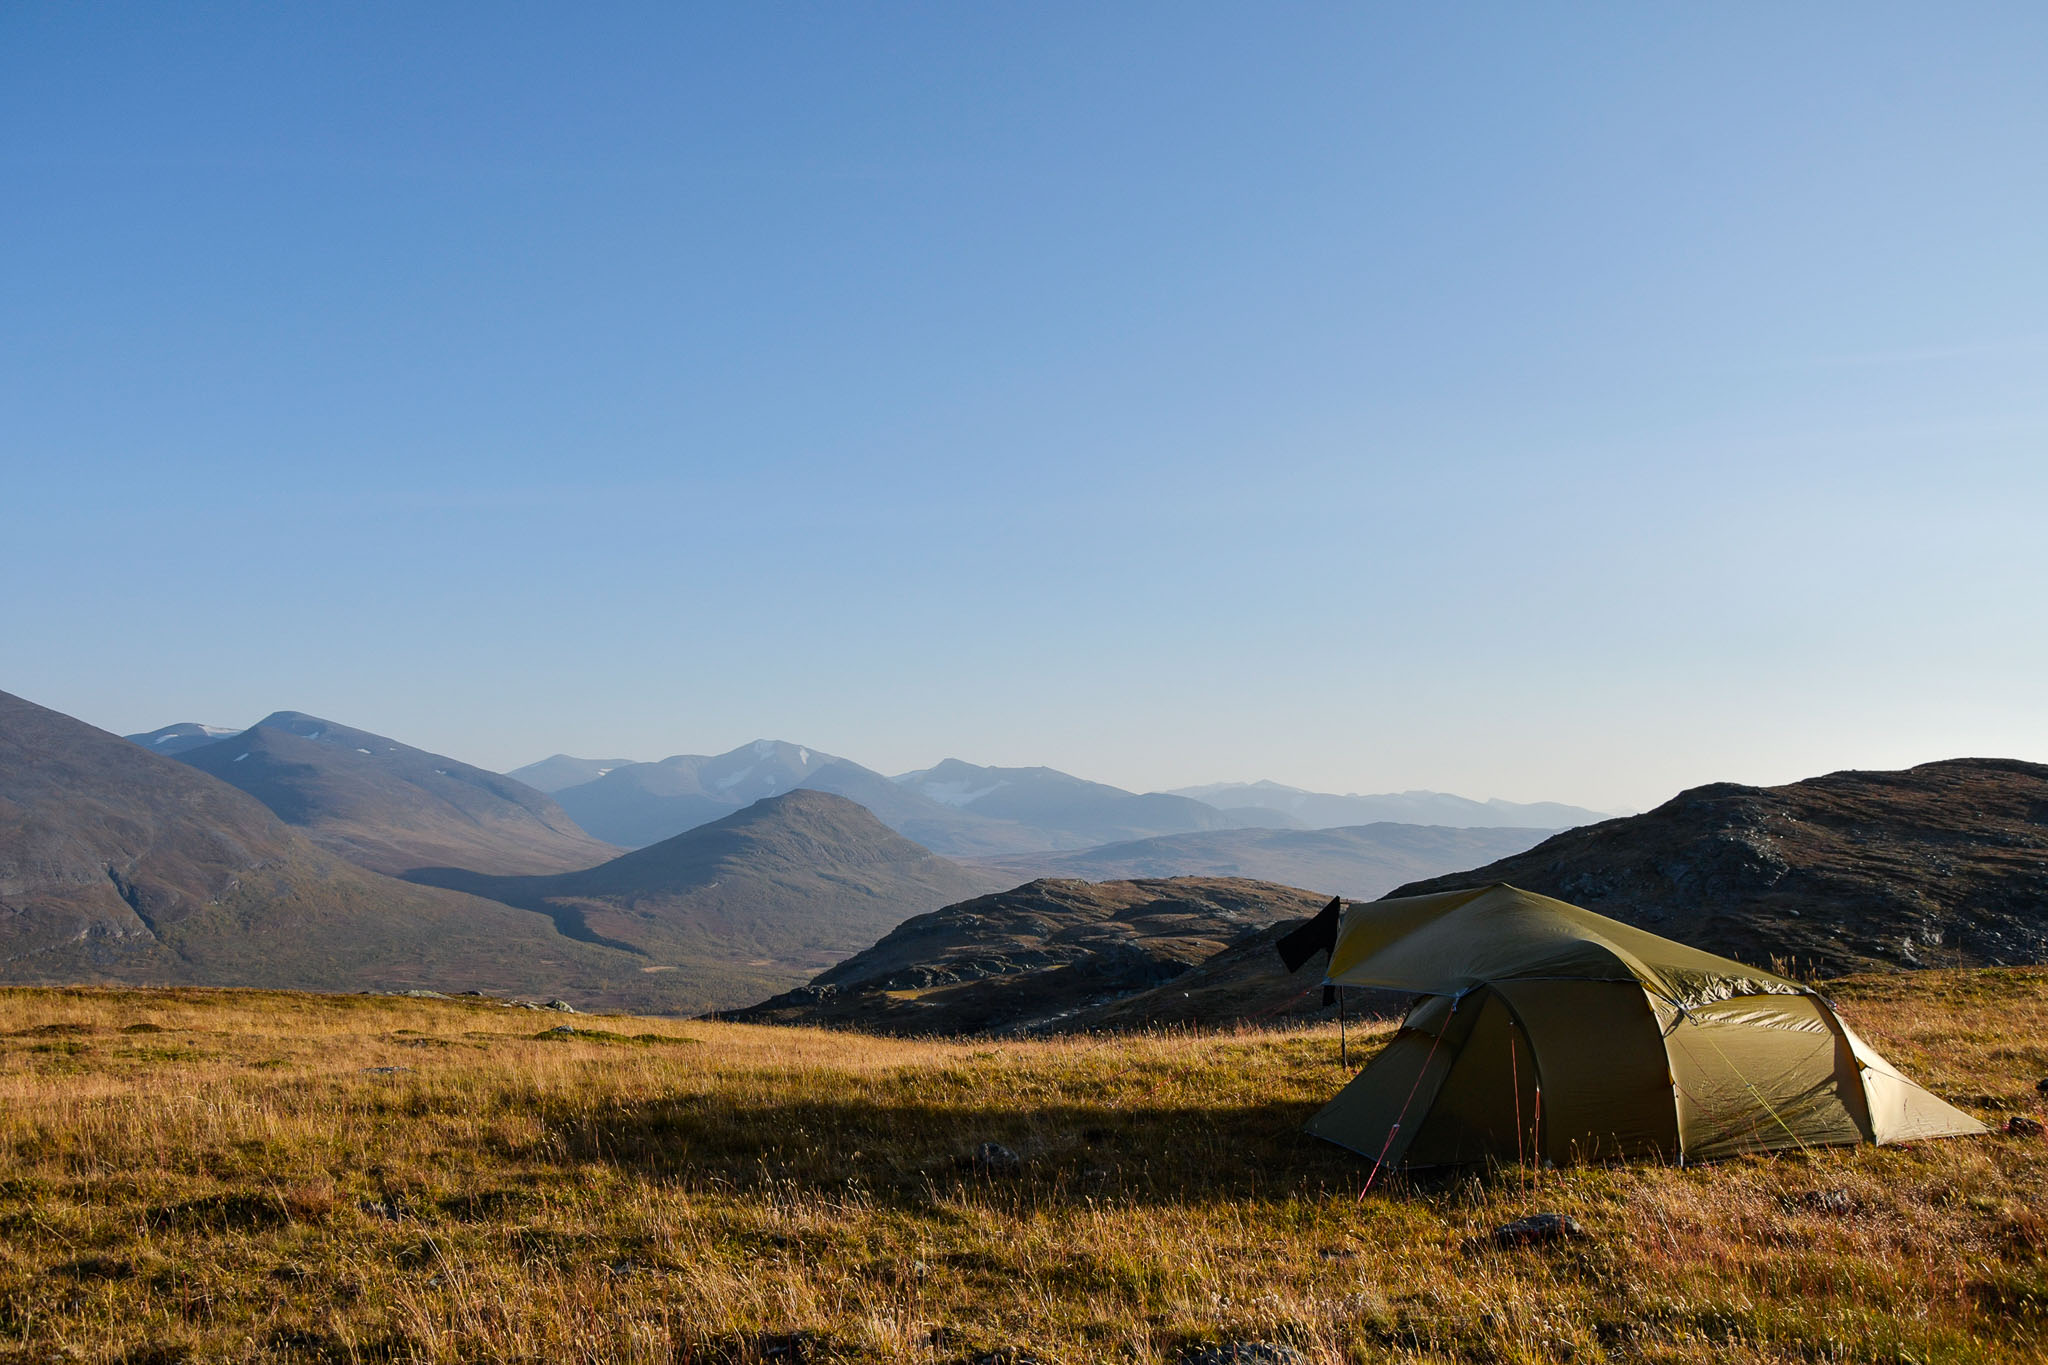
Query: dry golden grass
(219,1175)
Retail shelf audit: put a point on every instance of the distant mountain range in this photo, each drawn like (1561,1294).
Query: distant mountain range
(1360,863)
(788,862)
(254,857)
(1322,810)
(965,810)
(120,865)
(956,809)
(388,806)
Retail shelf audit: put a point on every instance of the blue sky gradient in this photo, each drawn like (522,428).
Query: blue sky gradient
(1568,406)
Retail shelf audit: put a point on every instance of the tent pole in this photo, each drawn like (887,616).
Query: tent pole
(1343,1038)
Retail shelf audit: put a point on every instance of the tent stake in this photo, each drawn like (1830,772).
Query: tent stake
(1343,1038)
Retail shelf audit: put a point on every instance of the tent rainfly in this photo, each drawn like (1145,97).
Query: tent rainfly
(1549,1033)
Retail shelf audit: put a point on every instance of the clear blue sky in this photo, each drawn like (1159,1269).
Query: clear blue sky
(1574,405)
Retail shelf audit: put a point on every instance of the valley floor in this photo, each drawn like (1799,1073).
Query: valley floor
(194,1175)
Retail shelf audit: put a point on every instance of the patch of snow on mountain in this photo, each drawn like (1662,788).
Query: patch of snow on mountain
(362,751)
(803,756)
(957,794)
(764,747)
(731,780)
(239,757)
(165,739)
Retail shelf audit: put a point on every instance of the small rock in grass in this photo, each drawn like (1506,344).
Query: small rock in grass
(791,1346)
(1828,1201)
(2042,1085)
(1244,1353)
(386,1070)
(1538,1229)
(992,1158)
(2019,1125)
(560,1006)
(562,1028)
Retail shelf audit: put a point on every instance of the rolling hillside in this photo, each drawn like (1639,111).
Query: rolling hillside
(750,903)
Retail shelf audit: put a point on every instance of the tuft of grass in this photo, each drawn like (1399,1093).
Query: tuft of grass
(248,1184)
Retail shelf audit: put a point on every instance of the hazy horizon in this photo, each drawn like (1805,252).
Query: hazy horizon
(1547,406)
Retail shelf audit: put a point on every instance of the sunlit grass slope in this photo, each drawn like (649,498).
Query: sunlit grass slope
(230,1175)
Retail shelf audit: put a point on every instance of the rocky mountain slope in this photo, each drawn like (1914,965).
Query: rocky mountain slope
(1940,865)
(390,807)
(1361,863)
(749,903)
(1036,957)
(1326,810)
(120,866)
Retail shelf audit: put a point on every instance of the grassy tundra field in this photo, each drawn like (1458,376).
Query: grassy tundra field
(194,1175)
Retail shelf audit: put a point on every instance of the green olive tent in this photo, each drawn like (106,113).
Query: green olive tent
(1547,1032)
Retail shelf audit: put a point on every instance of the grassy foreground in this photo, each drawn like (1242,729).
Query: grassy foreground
(194,1175)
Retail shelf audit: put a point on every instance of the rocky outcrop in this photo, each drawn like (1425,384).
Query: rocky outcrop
(1042,957)
(1945,864)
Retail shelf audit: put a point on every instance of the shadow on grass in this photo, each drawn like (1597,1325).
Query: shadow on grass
(901,1153)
